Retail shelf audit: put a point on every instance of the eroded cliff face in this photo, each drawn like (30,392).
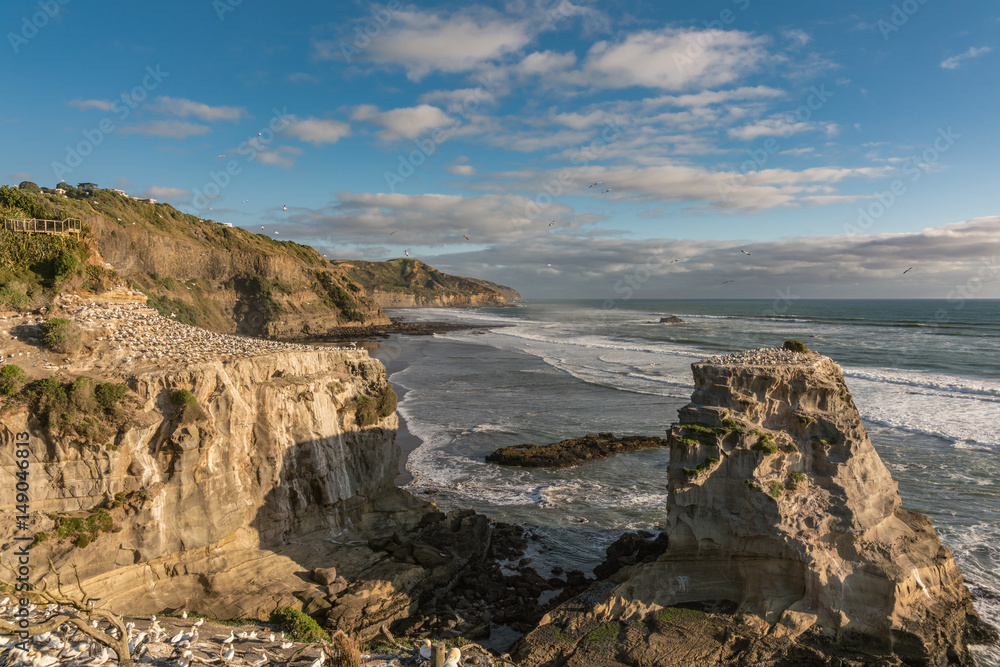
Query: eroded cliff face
(778,502)
(222,514)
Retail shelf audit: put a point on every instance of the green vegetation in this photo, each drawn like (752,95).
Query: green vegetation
(691,442)
(796,479)
(603,634)
(702,467)
(775,489)
(804,420)
(62,335)
(823,442)
(335,296)
(83,530)
(92,413)
(674,615)
(734,425)
(371,410)
(12,378)
(795,346)
(754,485)
(187,406)
(766,444)
(298,626)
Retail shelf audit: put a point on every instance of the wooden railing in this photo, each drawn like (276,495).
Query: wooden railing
(36,226)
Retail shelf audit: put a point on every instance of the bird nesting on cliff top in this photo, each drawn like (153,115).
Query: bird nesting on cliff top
(425,649)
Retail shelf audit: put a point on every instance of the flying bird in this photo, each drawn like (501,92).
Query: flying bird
(245,201)
(728,281)
(406,252)
(284,208)
(275,232)
(552,223)
(262,226)
(674,260)
(593,184)
(744,251)
(606,191)
(908,270)
(466,237)
(395,232)
(221,156)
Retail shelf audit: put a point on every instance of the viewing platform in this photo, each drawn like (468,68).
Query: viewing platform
(69,226)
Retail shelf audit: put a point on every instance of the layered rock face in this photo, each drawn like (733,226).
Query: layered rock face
(784,525)
(224,513)
(778,502)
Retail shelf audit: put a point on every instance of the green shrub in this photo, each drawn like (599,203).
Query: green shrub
(82,541)
(187,406)
(108,394)
(688,441)
(775,489)
(12,378)
(674,614)
(603,634)
(754,485)
(734,425)
(62,335)
(386,401)
(702,467)
(766,445)
(298,626)
(795,346)
(80,408)
(797,478)
(365,411)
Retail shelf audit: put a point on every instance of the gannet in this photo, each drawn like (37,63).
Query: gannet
(425,649)
(454,657)
(744,251)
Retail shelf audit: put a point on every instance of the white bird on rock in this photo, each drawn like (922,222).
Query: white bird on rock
(230,639)
(454,657)
(228,655)
(425,649)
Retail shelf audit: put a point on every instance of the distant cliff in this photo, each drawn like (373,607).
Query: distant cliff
(787,543)
(407,283)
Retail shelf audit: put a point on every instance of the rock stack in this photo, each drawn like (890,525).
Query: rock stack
(781,514)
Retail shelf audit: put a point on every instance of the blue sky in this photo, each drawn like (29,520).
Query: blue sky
(837,143)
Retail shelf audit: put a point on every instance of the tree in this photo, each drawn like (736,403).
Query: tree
(28,186)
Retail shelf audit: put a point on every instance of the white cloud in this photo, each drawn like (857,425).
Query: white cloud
(709,97)
(461,170)
(973,52)
(319,131)
(423,42)
(404,123)
(674,59)
(165,192)
(780,126)
(83,105)
(546,62)
(173,129)
(797,37)
(181,107)
(282,156)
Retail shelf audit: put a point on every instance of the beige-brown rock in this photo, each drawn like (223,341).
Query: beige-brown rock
(780,508)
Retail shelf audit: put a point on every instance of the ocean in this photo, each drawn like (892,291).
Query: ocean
(924,374)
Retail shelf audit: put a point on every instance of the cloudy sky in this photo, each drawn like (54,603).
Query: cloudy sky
(568,149)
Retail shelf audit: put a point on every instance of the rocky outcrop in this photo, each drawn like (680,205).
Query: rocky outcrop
(409,283)
(573,451)
(783,522)
(672,319)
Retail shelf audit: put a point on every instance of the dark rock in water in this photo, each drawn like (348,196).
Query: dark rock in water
(630,549)
(673,319)
(571,452)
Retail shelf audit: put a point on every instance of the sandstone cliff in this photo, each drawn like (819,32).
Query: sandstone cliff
(409,283)
(781,512)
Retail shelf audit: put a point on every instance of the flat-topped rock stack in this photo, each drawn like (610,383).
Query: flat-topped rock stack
(781,514)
